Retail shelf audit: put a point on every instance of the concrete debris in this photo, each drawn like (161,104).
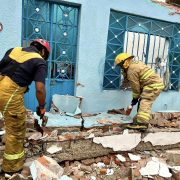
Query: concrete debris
(93,178)
(30,116)
(100,165)
(173,156)
(121,158)
(35,136)
(69,105)
(117,111)
(2,133)
(175,168)
(162,138)
(165,119)
(164,171)
(104,121)
(78,116)
(155,167)
(122,144)
(54,149)
(46,168)
(102,151)
(64,177)
(90,136)
(109,172)
(134,157)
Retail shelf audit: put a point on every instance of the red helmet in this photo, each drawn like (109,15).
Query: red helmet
(44,43)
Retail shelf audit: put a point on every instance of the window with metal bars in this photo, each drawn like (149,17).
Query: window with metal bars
(155,42)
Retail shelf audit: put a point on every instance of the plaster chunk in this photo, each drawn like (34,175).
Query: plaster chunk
(162,138)
(122,142)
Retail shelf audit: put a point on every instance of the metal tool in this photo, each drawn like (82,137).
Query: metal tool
(38,127)
(44,121)
(82,123)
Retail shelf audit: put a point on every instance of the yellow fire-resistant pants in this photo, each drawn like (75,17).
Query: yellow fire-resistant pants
(147,99)
(13,110)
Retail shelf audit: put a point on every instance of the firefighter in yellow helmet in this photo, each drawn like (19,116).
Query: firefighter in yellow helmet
(18,68)
(146,86)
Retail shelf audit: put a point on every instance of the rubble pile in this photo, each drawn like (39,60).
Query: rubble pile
(96,153)
(156,165)
(168,119)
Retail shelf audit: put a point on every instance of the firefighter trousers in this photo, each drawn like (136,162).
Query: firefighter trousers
(146,100)
(14,113)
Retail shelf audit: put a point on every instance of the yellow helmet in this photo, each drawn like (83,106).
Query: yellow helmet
(122,57)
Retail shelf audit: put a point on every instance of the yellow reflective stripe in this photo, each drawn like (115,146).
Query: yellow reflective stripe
(135,95)
(144,121)
(21,56)
(14,156)
(7,104)
(144,115)
(147,74)
(154,86)
(148,88)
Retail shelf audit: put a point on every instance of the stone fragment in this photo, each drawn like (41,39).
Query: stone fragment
(103,171)
(25,172)
(85,168)
(173,156)
(88,161)
(98,159)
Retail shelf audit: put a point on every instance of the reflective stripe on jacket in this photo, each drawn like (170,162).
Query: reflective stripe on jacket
(142,77)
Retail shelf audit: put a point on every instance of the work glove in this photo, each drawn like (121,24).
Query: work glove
(40,111)
(134,101)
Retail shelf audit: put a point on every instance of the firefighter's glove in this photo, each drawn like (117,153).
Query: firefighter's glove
(40,111)
(134,101)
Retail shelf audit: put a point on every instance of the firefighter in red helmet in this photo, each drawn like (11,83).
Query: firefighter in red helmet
(18,68)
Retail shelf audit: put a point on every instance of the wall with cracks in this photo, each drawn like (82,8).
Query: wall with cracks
(100,146)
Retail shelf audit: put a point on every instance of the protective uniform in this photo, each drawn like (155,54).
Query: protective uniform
(146,85)
(12,91)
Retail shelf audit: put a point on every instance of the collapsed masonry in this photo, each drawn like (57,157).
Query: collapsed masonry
(103,148)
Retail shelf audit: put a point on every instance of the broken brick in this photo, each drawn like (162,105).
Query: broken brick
(106,160)
(103,171)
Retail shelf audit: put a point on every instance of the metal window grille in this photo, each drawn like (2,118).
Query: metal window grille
(58,24)
(155,42)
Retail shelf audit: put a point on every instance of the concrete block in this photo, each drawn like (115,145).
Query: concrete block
(173,156)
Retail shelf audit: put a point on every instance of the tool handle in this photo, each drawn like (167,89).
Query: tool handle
(44,121)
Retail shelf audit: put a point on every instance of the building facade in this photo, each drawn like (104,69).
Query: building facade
(85,36)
